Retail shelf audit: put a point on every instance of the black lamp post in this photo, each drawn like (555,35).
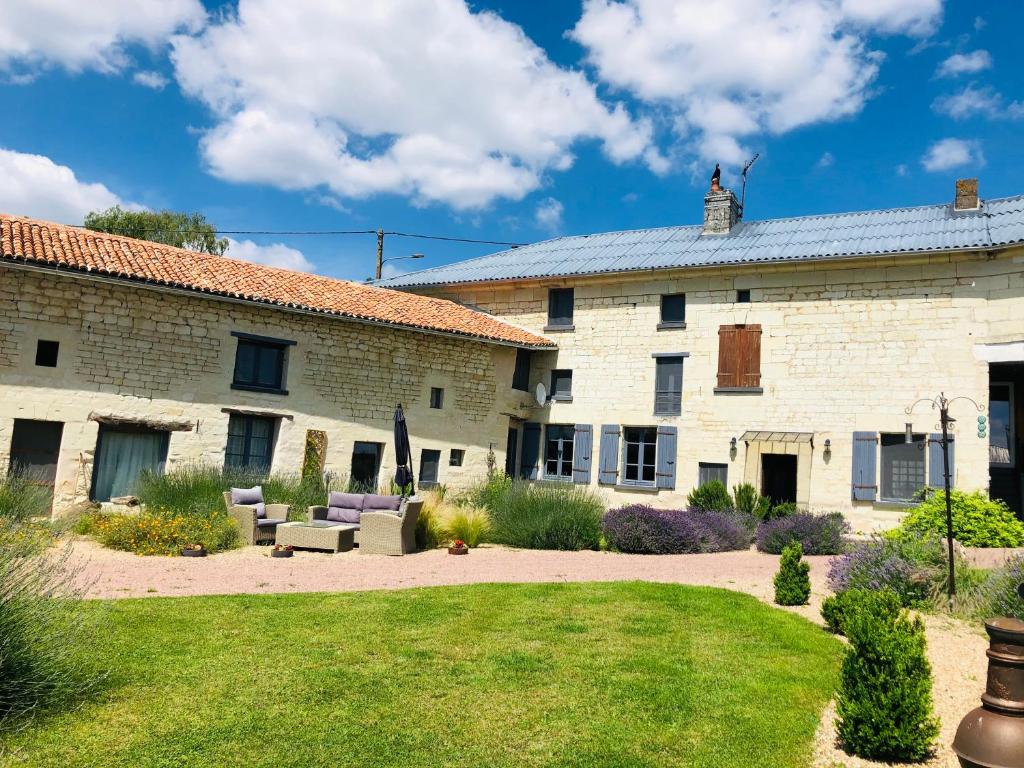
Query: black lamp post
(942,403)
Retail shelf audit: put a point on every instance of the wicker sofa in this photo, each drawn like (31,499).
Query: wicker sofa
(257,522)
(386,525)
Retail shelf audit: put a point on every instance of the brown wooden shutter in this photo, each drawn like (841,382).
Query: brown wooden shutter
(728,369)
(750,360)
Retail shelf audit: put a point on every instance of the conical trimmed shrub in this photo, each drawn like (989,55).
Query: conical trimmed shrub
(793,582)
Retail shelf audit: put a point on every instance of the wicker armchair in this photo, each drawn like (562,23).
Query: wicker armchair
(250,526)
(385,533)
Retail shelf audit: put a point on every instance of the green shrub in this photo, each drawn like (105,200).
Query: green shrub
(885,697)
(713,496)
(746,499)
(541,515)
(46,637)
(838,608)
(978,521)
(23,497)
(793,582)
(470,524)
(164,532)
(199,488)
(785,509)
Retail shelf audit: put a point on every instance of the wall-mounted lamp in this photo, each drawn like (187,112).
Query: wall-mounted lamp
(732,444)
(909,437)
(828,448)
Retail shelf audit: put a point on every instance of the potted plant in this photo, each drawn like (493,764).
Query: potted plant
(458,547)
(193,550)
(282,551)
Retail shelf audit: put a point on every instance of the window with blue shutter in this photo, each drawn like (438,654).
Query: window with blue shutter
(707,471)
(668,386)
(639,455)
(864,483)
(666,474)
(531,450)
(902,472)
(936,470)
(609,467)
(581,455)
(559,443)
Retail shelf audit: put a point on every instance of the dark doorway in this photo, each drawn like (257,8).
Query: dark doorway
(511,451)
(778,477)
(35,449)
(365,466)
(1005,428)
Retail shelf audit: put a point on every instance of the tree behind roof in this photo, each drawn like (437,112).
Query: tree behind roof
(181,230)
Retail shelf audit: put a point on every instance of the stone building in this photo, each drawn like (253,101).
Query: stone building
(119,355)
(784,353)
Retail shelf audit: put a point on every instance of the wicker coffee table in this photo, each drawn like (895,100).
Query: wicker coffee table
(319,534)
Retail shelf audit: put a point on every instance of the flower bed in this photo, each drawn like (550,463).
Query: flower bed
(161,532)
(642,529)
(817,534)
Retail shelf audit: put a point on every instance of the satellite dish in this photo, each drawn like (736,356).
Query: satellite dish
(542,394)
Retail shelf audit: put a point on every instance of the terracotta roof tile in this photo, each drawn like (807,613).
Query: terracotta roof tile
(30,240)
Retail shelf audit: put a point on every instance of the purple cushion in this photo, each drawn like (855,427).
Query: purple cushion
(345,500)
(343,514)
(247,496)
(389,503)
(268,521)
(261,510)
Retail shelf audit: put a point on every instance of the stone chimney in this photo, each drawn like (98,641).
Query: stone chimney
(721,210)
(966,195)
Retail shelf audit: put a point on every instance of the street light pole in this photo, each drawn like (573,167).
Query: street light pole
(944,418)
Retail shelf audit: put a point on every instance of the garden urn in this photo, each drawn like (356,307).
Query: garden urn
(992,736)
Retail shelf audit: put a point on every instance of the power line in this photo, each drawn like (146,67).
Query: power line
(329,232)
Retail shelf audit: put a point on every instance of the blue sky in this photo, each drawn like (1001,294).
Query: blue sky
(499,120)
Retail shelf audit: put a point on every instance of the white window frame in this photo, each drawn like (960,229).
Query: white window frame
(639,483)
(1012,441)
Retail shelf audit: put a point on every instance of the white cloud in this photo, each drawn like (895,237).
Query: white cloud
(978,102)
(965,64)
(425,99)
(153,80)
(979,23)
(734,68)
(826,160)
(902,170)
(274,255)
(952,153)
(548,214)
(80,35)
(35,186)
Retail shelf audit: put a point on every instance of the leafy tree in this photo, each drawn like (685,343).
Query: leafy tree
(181,230)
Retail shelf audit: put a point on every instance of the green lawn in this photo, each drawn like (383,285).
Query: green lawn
(624,674)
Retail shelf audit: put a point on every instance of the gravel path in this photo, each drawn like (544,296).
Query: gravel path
(956,650)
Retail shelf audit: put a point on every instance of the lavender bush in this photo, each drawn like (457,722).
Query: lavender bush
(910,564)
(817,534)
(642,529)
(999,596)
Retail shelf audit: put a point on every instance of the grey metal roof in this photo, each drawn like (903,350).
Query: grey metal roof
(807,238)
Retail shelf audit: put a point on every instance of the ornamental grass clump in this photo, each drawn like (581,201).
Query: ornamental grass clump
(817,534)
(998,595)
(23,497)
(642,529)
(46,635)
(978,521)
(793,581)
(541,515)
(885,697)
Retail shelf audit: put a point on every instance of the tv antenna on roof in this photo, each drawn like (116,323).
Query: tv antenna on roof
(743,192)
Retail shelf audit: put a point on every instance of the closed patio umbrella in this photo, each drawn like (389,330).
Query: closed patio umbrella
(404,477)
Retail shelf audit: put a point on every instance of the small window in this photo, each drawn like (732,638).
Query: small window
(673,311)
(521,377)
(739,357)
(708,472)
(743,296)
(46,353)
(436,397)
(560,306)
(561,384)
(456,457)
(668,386)
(558,448)
(260,363)
(903,471)
(250,443)
(430,462)
(640,445)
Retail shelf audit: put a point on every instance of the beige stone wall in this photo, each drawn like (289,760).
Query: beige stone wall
(845,347)
(152,354)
